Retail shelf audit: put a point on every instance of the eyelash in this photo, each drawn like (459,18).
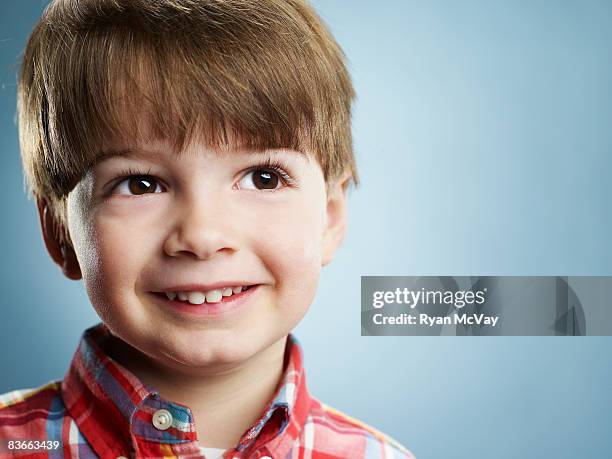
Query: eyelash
(128,173)
(277,166)
(273,165)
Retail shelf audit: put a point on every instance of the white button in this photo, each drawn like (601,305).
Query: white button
(121,457)
(265,457)
(162,419)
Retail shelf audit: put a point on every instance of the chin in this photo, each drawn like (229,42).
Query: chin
(210,354)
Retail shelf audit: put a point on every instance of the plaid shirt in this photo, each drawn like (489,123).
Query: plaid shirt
(101,409)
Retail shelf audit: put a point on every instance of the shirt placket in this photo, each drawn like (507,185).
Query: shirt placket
(163,429)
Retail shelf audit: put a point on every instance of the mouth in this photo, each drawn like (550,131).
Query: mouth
(211,303)
(219,295)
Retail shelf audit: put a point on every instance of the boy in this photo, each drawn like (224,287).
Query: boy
(190,161)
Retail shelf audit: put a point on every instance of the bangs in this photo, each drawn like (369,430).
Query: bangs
(139,87)
(231,74)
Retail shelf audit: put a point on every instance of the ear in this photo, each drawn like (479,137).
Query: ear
(337,218)
(61,252)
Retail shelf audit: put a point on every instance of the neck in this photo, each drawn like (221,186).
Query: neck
(224,404)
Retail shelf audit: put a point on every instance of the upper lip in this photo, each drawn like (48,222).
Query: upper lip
(205,287)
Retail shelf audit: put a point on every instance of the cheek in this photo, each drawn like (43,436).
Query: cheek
(290,246)
(112,259)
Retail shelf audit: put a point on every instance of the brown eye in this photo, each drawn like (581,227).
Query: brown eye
(268,176)
(264,179)
(142,185)
(137,185)
(260,179)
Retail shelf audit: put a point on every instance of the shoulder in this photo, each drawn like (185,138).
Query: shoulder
(26,412)
(18,400)
(351,436)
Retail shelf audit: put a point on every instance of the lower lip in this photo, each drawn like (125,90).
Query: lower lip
(228,304)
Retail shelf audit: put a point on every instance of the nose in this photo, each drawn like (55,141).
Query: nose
(201,228)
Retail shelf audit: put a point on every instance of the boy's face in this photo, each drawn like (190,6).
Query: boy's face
(203,220)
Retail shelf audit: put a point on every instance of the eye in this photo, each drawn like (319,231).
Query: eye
(261,179)
(137,185)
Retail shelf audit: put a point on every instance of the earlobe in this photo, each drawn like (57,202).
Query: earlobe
(60,251)
(336,224)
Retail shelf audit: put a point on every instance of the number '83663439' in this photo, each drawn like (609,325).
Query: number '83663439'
(33,444)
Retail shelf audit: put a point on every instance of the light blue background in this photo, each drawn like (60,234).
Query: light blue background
(483,139)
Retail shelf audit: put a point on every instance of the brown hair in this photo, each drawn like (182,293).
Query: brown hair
(251,73)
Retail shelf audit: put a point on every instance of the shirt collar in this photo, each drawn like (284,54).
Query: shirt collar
(114,409)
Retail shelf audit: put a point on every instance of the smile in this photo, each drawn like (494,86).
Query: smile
(209,296)
(214,303)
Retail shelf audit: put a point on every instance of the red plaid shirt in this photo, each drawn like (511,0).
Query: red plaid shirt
(101,409)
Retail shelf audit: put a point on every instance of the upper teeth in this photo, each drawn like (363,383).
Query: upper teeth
(210,296)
